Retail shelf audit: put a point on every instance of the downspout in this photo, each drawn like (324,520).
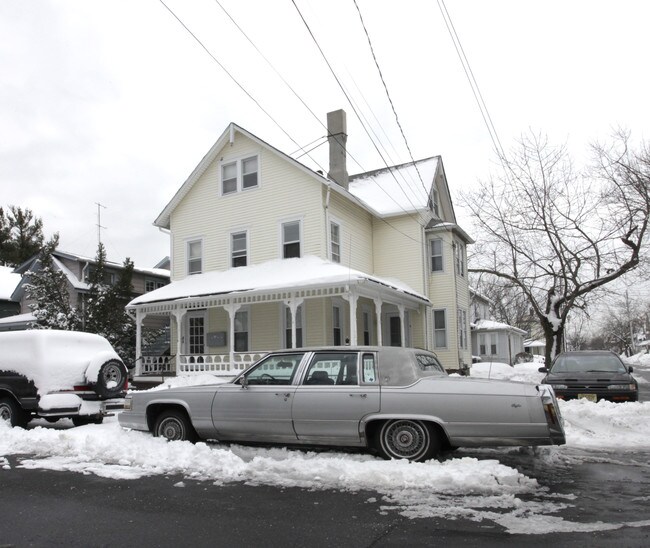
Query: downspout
(328,236)
(428,343)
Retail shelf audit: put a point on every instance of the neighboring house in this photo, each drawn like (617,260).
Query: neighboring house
(491,340)
(77,270)
(9,281)
(268,254)
(535,347)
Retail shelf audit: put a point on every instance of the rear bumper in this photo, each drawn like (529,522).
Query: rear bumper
(70,405)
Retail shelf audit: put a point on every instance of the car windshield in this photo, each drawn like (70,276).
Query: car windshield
(588,363)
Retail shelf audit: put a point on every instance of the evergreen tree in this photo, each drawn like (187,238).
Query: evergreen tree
(48,292)
(21,235)
(105,312)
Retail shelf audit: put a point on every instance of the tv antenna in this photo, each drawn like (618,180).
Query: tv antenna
(99,222)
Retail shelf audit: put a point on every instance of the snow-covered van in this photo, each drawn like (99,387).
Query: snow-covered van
(56,374)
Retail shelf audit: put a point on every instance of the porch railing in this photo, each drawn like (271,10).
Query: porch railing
(156,365)
(215,364)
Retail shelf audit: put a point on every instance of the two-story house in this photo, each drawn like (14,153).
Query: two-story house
(267,253)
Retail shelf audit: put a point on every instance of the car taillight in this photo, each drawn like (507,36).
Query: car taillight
(82,388)
(551,415)
(126,384)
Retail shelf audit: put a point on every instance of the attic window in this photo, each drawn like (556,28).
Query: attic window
(433,202)
(239,175)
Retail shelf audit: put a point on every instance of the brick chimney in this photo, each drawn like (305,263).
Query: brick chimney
(337,137)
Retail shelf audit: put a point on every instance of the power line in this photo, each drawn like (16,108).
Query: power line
(338,81)
(476,91)
(390,100)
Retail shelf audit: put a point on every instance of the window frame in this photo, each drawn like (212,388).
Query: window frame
(232,248)
(283,244)
(462,328)
(188,259)
(438,329)
(432,256)
(459,258)
(239,174)
(335,223)
(243,310)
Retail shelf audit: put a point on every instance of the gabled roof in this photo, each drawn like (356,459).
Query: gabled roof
(163,219)
(490,325)
(397,190)
(302,273)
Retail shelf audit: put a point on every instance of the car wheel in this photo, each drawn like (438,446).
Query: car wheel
(174,425)
(82,420)
(408,439)
(12,412)
(111,379)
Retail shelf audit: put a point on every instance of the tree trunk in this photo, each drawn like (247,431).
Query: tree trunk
(554,339)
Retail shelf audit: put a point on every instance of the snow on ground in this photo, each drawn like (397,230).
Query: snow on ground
(474,485)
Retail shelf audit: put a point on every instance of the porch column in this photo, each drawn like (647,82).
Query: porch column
(402,327)
(293,305)
(232,312)
(352,299)
(139,317)
(179,315)
(378,303)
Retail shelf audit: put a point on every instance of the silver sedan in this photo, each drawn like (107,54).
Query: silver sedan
(398,402)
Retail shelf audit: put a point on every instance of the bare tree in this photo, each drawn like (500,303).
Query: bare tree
(557,235)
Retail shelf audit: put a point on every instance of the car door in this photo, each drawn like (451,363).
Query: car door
(333,398)
(258,408)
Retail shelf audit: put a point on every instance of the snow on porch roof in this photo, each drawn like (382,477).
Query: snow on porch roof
(300,273)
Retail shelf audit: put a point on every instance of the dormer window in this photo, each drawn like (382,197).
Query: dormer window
(434,202)
(239,175)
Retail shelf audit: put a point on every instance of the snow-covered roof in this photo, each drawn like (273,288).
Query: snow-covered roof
(491,325)
(18,318)
(398,190)
(296,273)
(8,282)
(534,343)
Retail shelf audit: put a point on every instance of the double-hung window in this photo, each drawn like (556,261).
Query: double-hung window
(462,329)
(291,240)
(195,257)
(239,175)
(335,242)
(436,255)
(239,249)
(241,331)
(459,258)
(440,328)
(337,326)
(287,327)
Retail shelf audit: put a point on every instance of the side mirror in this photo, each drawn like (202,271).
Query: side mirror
(543,370)
(630,369)
(244,381)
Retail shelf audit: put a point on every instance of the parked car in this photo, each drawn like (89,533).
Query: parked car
(398,402)
(55,374)
(592,375)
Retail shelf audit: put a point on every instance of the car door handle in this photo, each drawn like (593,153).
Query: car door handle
(283,395)
(360,395)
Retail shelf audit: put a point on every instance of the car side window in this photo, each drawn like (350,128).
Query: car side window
(429,363)
(275,370)
(369,369)
(332,368)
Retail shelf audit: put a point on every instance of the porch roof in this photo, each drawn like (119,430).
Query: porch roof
(272,276)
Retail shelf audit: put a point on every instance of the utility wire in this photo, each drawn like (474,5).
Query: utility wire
(338,81)
(487,119)
(240,86)
(390,100)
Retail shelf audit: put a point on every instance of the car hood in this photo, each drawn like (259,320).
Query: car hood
(593,377)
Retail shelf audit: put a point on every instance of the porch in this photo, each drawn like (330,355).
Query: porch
(220,327)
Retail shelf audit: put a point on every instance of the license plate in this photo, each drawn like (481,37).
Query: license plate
(588,397)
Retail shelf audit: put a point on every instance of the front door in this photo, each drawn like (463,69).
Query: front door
(260,408)
(194,340)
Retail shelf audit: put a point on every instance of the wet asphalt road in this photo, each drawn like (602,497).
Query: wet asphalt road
(51,509)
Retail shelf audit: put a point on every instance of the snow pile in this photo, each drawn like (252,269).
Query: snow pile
(522,372)
(193,380)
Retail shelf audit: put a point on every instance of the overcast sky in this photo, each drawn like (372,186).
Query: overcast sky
(113,101)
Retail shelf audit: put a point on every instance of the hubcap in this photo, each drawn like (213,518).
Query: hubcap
(406,440)
(5,412)
(171,429)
